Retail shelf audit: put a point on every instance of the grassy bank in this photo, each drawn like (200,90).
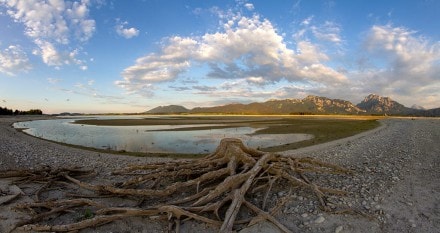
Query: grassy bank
(323,130)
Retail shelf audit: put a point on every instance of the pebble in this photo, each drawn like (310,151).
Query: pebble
(305,215)
(413,224)
(339,229)
(319,220)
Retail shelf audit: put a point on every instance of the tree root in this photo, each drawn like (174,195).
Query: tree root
(214,189)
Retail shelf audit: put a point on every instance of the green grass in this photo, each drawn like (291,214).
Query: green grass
(323,130)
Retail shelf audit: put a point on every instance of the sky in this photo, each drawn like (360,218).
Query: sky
(98,56)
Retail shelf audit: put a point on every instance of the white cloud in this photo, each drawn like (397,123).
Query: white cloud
(53,25)
(249,6)
(52,57)
(411,63)
(405,52)
(256,80)
(246,47)
(235,89)
(307,20)
(405,66)
(48,53)
(53,80)
(158,67)
(125,32)
(329,31)
(13,60)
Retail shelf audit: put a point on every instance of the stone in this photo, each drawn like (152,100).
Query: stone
(319,220)
(339,229)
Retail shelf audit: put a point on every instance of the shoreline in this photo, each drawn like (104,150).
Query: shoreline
(26,151)
(346,126)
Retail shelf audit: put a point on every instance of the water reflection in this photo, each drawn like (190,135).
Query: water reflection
(142,139)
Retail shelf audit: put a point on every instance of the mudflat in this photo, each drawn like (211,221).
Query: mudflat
(394,187)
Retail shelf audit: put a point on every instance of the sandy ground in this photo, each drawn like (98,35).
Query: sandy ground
(395,186)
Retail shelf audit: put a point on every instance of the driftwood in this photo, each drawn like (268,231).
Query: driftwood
(217,188)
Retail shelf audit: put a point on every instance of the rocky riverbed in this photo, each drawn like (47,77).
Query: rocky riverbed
(395,186)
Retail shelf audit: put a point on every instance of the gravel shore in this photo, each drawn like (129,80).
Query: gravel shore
(395,186)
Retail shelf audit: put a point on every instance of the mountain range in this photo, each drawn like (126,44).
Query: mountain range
(371,105)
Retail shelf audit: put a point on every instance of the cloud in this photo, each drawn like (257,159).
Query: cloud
(53,57)
(53,26)
(180,88)
(327,32)
(204,88)
(49,53)
(404,52)
(400,64)
(155,68)
(53,80)
(125,32)
(14,60)
(236,91)
(249,6)
(245,47)
(256,80)
(307,21)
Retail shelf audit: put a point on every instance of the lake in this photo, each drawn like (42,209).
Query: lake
(150,138)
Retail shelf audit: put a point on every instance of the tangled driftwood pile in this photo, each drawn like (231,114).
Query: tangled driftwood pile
(216,189)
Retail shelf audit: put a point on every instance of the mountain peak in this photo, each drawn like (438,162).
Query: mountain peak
(312,97)
(378,98)
(170,109)
(374,103)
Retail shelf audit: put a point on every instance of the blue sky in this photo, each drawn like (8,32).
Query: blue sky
(97,56)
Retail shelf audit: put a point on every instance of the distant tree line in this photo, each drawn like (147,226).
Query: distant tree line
(6,111)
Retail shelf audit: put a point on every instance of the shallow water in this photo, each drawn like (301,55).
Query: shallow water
(142,139)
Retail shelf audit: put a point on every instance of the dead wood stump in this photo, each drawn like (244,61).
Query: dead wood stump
(214,189)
